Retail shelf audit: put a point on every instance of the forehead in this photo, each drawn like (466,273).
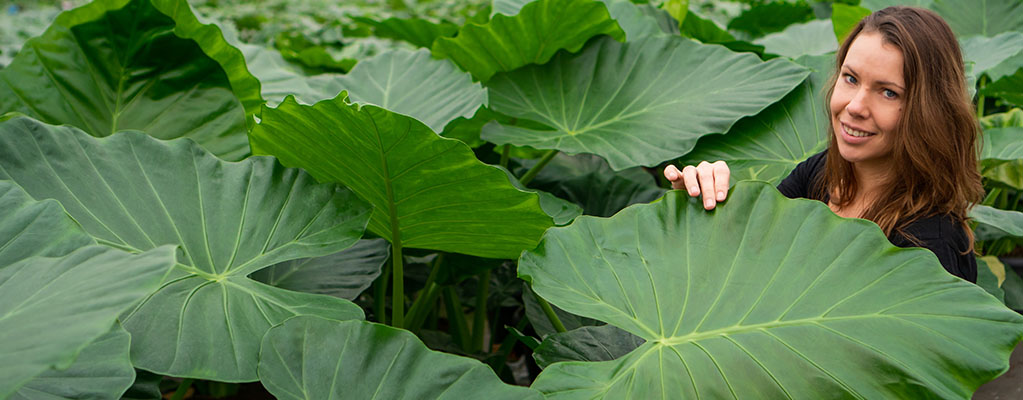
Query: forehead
(873,59)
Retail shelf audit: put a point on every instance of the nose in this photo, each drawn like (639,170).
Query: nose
(857,106)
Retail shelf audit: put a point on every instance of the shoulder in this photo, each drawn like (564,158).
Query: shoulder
(801,181)
(946,238)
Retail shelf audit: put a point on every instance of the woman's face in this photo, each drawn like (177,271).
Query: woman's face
(867,101)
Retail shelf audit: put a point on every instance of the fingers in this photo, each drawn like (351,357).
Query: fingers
(721,177)
(705,173)
(689,180)
(672,173)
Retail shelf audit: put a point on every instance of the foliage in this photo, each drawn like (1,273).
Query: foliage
(409,165)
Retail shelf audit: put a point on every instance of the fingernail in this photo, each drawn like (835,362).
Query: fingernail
(708,203)
(721,196)
(671,176)
(694,191)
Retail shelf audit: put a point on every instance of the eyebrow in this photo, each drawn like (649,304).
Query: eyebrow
(881,82)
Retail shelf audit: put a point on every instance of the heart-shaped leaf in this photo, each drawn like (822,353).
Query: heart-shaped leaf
(588,181)
(1004,222)
(35,228)
(52,308)
(101,371)
(428,192)
(810,38)
(417,31)
(769,145)
(637,103)
(988,52)
(412,83)
(135,192)
(141,64)
(279,78)
(315,359)
(981,17)
(345,274)
(731,302)
(587,343)
(531,36)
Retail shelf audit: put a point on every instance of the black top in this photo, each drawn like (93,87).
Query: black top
(940,234)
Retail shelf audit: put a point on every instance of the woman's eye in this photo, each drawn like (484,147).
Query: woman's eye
(849,78)
(890,94)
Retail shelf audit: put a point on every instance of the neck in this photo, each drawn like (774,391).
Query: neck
(870,178)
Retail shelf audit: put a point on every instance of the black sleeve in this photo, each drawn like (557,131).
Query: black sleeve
(800,182)
(947,240)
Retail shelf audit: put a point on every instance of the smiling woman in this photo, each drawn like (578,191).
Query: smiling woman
(903,135)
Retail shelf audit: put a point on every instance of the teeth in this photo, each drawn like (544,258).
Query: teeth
(856,133)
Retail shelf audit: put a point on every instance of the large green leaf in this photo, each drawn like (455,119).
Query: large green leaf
(1004,222)
(769,17)
(417,31)
(588,343)
(637,103)
(101,371)
(345,274)
(532,36)
(52,308)
(811,38)
(765,298)
(769,145)
(988,52)
(633,20)
(428,192)
(35,228)
(1003,144)
(316,359)
(279,78)
(117,64)
(412,83)
(874,5)
(135,192)
(981,17)
(707,31)
(588,181)
(1007,80)
(1006,172)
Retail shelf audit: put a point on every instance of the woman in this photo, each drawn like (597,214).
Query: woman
(903,134)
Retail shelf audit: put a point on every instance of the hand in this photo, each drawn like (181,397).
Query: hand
(710,179)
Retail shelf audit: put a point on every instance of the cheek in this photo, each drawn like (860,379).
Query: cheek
(839,99)
(889,119)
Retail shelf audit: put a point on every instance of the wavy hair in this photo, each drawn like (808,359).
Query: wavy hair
(934,145)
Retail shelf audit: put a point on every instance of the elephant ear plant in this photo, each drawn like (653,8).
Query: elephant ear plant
(732,302)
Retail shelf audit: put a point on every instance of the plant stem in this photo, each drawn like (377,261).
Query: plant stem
(980,97)
(380,295)
(456,319)
(547,157)
(558,326)
(417,313)
(497,363)
(179,393)
(480,315)
(505,155)
(398,290)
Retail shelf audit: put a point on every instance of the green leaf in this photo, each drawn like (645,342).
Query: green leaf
(101,371)
(986,277)
(280,78)
(304,359)
(432,91)
(588,181)
(135,192)
(532,36)
(588,343)
(769,145)
(874,5)
(771,17)
(542,324)
(52,308)
(507,7)
(35,228)
(417,31)
(1008,119)
(1002,144)
(732,301)
(1013,287)
(981,17)
(344,274)
(1007,222)
(676,8)
(845,17)
(115,65)
(1007,80)
(637,103)
(707,31)
(988,52)
(634,21)
(429,191)
(812,38)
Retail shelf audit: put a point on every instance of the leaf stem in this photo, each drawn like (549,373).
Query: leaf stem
(505,155)
(497,363)
(553,317)
(419,310)
(380,295)
(456,318)
(480,315)
(980,97)
(398,278)
(547,157)
(179,393)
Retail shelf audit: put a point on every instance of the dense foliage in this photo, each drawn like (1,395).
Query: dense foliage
(382,199)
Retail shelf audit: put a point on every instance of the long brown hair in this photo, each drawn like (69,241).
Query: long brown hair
(934,146)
